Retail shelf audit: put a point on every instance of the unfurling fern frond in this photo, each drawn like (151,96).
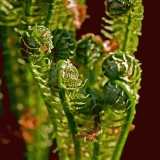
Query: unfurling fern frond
(115,97)
(64,44)
(126,28)
(89,50)
(69,86)
(69,82)
(125,68)
(119,110)
(36,42)
(118,7)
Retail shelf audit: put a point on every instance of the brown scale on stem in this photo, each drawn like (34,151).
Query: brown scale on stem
(90,134)
(108,45)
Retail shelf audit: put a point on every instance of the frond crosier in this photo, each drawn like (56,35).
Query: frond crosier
(66,76)
(70,82)
(126,68)
(36,43)
(116,119)
(64,44)
(126,28)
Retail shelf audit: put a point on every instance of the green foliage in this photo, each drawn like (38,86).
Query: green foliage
(64,44)
(125,68)
(89,95)
(89,51)
(116,120)
(125,29)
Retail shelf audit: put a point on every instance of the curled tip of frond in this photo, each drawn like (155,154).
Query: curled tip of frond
(118,7)
(36,41)
(64,44)
(116,96)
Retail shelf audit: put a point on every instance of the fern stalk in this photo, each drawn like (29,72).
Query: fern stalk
(66,106)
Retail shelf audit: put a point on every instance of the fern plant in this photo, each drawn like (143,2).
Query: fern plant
(82,94)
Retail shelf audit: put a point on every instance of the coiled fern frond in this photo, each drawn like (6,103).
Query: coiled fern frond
(70,83)
(123,67)
(126,28)
(64,44)
(115,97)
(36,42)
(89,51)
(119,110)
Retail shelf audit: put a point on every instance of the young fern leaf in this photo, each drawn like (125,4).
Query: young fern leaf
(119,110)
(60,17)
(72,85)
(68,81)
(64,44)
(123,67)
(36,43)
(126,28)
(32,44)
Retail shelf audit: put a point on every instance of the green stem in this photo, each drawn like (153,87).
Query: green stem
(96,121)
(49,107)
(91,77)
(126,35)
(50,14)
(124,135)
(70,117)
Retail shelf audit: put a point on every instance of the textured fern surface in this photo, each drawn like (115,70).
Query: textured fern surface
(117,117)
(125,29)
(125,68)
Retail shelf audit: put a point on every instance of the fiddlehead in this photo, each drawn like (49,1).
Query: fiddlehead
(125,68)
(64,44)
(126,28)
(39,67)
(119,110)
(36,43)
(70,82)
(115,97)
